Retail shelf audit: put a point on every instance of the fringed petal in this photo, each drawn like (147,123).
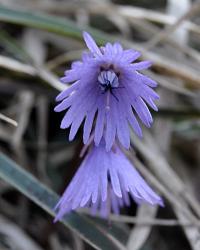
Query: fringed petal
(91,44)
(104,182)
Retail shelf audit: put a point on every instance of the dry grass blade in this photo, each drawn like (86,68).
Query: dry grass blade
(148,30)
(121,23)
(153,181)
(31,42)
(169,30)
(26,102)
(8,120)
(139,234)
(171,68)
(152,222)
(44,74)
(178,9)
(192,233)
(163,170)
(50,78)
(63,58)
(153,16)
(148,221)
(16,237)
(168,83)
(12,64)
(167,66)
(129,12)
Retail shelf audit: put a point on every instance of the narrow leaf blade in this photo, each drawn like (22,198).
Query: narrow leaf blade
(46,199)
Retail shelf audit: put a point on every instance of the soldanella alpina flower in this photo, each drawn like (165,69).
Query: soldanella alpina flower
(108,88)
(107,93)
(104,183)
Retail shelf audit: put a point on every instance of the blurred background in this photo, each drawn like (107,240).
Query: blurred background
(38,41)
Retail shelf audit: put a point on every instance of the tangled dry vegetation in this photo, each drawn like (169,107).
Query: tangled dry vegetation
(38,41)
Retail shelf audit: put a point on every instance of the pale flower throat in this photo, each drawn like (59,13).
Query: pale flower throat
(108,80)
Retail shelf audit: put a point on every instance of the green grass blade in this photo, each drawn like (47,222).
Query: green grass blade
(46,199)
(58,25)
(11,45)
